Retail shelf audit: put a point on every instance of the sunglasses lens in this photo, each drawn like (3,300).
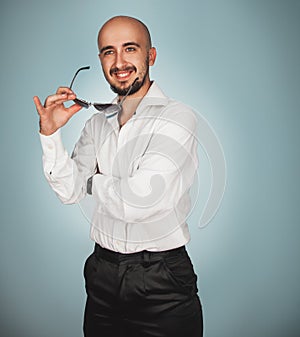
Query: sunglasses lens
(81,102)
(107,108)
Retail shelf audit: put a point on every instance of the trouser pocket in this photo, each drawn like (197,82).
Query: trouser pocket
(181,272)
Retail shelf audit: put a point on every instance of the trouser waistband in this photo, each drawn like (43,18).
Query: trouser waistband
(143,256)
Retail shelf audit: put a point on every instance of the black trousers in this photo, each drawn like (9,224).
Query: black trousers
(142,294)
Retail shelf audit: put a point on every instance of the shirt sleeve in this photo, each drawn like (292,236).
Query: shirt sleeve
(67,175)
(162,176)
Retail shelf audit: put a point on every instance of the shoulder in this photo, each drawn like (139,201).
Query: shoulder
(173,109)
(169,109)
(96,121)
(180,114)
(95,126)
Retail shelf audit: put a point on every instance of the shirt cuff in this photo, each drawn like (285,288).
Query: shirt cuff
(53,148)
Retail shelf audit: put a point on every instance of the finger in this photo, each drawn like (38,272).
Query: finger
(64,90)
(38,105)
(59,98)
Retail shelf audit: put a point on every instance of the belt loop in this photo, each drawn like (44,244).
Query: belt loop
(146,258)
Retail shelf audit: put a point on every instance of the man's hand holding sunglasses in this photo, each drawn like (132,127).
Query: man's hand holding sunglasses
(53,114)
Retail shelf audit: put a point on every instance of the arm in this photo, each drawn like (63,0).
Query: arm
(66,176)
(163,173)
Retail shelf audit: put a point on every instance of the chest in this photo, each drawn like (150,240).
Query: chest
(120,151)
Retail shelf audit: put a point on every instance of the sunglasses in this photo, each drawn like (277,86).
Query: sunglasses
(108,107)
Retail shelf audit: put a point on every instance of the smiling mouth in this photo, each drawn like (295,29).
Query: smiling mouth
(122,75)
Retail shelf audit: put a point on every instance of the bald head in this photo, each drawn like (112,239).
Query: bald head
(125,53)
(125,22)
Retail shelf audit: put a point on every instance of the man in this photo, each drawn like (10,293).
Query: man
(139,165)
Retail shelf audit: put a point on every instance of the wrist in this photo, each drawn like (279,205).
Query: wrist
(46,133)
(47,130)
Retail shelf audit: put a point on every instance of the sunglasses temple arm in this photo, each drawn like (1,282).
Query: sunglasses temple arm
(73,79)
(128,92)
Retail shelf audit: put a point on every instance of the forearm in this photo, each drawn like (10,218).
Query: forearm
(152,192)
(61,171)
(64,179)
(120,199)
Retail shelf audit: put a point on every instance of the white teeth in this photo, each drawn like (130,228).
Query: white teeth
(123,75)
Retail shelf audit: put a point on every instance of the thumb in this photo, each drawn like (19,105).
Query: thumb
(73,109)
(38,105)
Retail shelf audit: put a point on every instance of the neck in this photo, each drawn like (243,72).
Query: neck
(128,109)
(131,102)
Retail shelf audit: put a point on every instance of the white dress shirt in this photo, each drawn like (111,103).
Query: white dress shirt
(146,170)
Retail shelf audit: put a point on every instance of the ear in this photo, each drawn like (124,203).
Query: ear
(152,56)
(100,59)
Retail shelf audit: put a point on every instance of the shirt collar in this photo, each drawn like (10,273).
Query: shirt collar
(154,97)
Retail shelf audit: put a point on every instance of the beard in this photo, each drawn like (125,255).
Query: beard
(137,84)
(135,88)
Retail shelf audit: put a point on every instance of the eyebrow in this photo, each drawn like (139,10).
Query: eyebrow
(124,45)
(131,44)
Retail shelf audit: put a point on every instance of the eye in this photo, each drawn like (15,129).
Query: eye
(130,49)
(108,52)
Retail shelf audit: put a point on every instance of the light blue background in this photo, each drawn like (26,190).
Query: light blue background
(237,62)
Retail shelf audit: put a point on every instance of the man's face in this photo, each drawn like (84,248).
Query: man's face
(125,55)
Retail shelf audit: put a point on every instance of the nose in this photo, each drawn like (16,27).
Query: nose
(120,60)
